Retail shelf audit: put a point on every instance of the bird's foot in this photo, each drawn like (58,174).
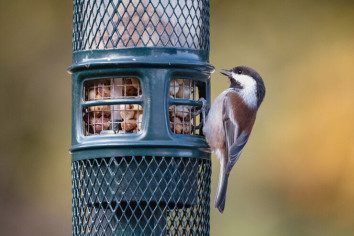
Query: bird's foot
(203,110)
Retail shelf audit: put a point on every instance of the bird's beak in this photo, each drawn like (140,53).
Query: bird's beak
(234,83)
(228,73)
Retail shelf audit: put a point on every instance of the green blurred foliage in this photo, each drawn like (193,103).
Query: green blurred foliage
(295,176)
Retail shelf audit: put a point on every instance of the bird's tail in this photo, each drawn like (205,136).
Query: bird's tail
(222,188)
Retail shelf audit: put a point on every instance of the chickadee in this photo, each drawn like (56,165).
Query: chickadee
(230,121)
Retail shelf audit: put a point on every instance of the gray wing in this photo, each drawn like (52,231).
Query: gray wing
(235,142)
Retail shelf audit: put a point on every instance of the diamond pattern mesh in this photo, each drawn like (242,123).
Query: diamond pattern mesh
(107,24)
(141,195)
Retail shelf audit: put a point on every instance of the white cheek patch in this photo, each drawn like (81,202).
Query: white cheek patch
(249,90)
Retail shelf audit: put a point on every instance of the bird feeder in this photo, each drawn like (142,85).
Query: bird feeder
(140,162)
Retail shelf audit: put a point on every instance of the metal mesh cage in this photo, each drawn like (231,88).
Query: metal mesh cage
(107,24)
(141,195)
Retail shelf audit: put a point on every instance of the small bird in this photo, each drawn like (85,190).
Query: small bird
(230,121)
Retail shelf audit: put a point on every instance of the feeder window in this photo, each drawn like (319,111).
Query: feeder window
(101,116)
(185,118)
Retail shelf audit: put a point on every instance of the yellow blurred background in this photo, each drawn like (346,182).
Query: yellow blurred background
(296,175)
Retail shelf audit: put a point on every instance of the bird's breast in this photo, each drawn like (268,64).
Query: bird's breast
(240,113)
(214,129)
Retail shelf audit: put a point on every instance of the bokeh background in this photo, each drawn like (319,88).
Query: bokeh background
(296,175)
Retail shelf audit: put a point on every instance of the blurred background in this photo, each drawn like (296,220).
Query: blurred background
(296,175)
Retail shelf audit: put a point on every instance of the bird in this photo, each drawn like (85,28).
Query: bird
(230,120)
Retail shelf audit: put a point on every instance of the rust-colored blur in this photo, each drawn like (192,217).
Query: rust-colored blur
(295,176)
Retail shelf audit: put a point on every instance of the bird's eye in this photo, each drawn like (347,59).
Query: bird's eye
(239,71)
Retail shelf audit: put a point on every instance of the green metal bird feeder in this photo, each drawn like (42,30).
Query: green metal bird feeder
(140,162)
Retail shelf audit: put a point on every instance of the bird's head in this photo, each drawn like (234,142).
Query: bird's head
(248,84)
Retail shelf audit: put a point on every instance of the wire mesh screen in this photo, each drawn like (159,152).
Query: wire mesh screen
(107,24)
(141,195)
(116,119)
(112,119)
(185,119)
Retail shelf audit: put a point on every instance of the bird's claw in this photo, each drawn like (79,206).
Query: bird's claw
(204,103)
(203,110)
